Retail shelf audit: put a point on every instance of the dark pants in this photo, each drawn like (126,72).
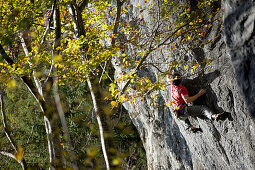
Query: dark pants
(197,110)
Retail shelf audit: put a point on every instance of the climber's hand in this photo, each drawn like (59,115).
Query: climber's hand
(201,92)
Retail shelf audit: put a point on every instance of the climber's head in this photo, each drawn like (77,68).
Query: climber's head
(177,79)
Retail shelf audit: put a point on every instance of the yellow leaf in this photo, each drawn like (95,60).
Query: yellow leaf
(146,1)
(92,152)
(57,58)
(114,103)
(195,66)
(191,70)
(116,161)
(11,84)
(19,154)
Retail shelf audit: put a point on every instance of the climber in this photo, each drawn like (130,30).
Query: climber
(180,100)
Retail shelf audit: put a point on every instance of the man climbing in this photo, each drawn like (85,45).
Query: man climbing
(180,99)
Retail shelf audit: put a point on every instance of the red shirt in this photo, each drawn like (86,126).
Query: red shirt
(177,93)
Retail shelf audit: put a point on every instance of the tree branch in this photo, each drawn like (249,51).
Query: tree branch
(79,30)
(6,130)
(8,154)
(147,54)
(99,123)
(117,21)
(57,26)
(48,26)
(83,4)
(26,80)
(22,162)
(26,51)
(5,56)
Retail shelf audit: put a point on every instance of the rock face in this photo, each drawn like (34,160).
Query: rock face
(228,144)
(240,38)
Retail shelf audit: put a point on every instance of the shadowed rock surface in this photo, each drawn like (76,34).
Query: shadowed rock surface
(223,145)
(240,39)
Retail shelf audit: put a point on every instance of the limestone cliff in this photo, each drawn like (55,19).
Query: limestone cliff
(228,144)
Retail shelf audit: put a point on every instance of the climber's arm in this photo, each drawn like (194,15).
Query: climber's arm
(189,99)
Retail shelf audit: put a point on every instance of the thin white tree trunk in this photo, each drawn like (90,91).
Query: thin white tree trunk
(99,123)
(26,51)
(74,13)
(57,26)
(22,162)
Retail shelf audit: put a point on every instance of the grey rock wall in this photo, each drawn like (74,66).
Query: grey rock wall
(226,145)
(240,39)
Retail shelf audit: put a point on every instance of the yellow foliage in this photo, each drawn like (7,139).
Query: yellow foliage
(116,161)
(92,152)
(19,154)
(11,84)
(195,66)
(137,4)
(57,58)
(114,103)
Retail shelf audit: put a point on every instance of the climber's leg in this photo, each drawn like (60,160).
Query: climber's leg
(200,110)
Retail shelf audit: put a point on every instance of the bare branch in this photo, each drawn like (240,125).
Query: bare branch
(171,35)
(156,67)
(22,163)
(7,133)
(48,26)
(31,133)
(148,53)
(6,130)
(8,154)
(26,51)
(104,71)
(99,123)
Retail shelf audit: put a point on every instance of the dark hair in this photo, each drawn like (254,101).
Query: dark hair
(177,80)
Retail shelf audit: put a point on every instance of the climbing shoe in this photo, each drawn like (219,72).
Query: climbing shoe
(194,129)
(218,116)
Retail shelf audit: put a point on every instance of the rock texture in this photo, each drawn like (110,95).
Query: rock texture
(240,38)
(226,145)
